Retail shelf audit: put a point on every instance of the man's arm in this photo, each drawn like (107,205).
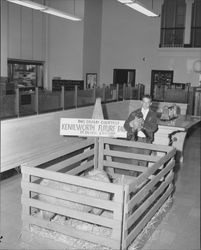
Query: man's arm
(150,125)
(127,126)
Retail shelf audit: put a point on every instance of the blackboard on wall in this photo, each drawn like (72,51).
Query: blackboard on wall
(68,84)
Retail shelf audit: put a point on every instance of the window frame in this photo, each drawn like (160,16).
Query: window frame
(175,28)
(196,9)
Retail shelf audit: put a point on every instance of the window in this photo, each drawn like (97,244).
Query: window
(25,74)
(196,24)
(173,23)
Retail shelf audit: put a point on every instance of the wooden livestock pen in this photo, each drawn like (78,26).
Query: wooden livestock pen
(133,198)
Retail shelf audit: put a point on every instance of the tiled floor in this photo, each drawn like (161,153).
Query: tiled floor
(179,230)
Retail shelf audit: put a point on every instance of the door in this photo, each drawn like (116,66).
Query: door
(121,76)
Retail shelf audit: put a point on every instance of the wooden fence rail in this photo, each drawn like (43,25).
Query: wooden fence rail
(132,200)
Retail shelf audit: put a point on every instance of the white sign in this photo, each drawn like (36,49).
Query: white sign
(92,127)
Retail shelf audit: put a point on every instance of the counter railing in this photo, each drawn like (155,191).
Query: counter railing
(37,101)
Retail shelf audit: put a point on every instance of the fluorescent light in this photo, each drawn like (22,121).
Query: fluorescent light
(45,9)
(60,14)
(139,7)
(29,4)
(125,1)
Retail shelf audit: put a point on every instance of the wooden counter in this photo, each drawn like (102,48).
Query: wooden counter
(174,132)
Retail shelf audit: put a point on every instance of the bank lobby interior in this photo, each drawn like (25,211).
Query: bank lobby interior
(52,67)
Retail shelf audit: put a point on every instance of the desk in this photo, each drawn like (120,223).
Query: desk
(174,132)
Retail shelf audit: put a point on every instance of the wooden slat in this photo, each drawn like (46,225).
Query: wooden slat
(71,213)
(86,160)
(71,196)
(65,163)
(116,233)
(68,230)
(152,169)
(126,143)
(125,216)
(145,190)
(74,180)
(147,218)
(121,154)
(25,207)
(119,195)
(81,168)
(109,170)
(118,211)
(124,166)
(150,200)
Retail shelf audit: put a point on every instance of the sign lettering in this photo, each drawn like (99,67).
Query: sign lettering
(92,127)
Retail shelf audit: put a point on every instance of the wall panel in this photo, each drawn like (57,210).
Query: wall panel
(38,36)
(14,31)
(26,33)
(4,35)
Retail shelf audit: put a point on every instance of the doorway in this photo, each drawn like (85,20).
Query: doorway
(124,76)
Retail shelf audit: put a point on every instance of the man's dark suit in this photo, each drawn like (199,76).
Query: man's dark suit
(150,124)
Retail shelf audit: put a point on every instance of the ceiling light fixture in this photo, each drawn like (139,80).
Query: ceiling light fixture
(29,4)
(45,9)
(139,7)
(60,14)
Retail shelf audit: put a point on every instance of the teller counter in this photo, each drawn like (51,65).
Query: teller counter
(174,132)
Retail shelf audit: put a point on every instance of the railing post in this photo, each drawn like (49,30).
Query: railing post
(139,91)
(94,94)
(131,92)
(75,96)
(103,93)
(124,91)
(17,102)
(62,97)
(117,89)
(36,100)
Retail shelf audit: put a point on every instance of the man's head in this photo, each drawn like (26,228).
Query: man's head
(146,101)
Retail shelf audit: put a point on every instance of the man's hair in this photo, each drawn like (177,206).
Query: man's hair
(147,96)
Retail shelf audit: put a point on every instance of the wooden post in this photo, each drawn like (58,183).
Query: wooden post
(100,153)
(25,208)
(96,150)
(62,97)
(17,102)
(75,96)
(125,217)
(36,100)
(99,142)
(97,114)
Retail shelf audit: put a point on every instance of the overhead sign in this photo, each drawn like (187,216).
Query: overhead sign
(92,127)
